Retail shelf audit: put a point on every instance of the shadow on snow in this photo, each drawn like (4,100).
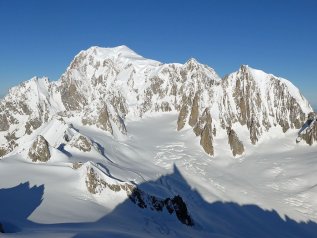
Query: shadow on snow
(219,219)
(17,204)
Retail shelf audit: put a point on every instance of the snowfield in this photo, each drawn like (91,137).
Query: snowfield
(269,191)
(124,146)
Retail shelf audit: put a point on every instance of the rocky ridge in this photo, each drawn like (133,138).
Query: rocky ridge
(103,86)
(310,135)
(97,182)
(40,150)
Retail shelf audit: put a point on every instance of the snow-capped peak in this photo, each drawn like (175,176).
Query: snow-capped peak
(192,61)
(120,54)
(265,81)
(102,86)
(118,51)
(124,138)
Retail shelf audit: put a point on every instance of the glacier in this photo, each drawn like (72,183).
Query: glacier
(132,146)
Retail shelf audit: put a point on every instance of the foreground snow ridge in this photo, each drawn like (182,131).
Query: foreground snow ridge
(124,146)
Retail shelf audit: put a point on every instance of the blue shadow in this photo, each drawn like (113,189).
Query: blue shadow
(215,220)
(17,204)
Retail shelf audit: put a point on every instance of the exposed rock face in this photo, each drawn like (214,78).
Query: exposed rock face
(311,136)
(103,85)
(11,136)
(77,165)
(255,131)
(7,148)
(104,120)
(101,120)
(204,119)
(92,181)
(24,109)
(4,124)
(261,101)
(3,151)
(175,204)
(82,143)
(180,208)
(39,150)
(252,98)
(194,112)
(203,128)
(248,97)
(95,184)
(182,117)
(207,139)
(236,145)
(71,95)
(72,90)
(31,125)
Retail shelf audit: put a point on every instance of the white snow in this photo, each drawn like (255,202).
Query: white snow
(280,178)
(274,180)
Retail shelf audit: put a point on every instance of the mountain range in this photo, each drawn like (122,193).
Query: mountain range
(161,144)
(104,85)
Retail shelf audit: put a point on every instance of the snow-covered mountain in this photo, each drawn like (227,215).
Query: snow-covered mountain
(102,86)
(121,131)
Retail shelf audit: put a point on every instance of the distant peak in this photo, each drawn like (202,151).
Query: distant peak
(110,50)
(191,64)
(121,52)
(244,67)
(123,47)
(192,61)
(247,69)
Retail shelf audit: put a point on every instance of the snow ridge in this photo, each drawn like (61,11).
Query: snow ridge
(121,146)
(104,86)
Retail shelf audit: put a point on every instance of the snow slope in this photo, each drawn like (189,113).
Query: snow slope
(102,86)
(124,146)
(269,187)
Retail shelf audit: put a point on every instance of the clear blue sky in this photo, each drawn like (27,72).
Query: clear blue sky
(39,37)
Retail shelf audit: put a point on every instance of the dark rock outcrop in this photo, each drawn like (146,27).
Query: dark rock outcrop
(4,123)
(204,119)
(236,145)
(182,116)
(95,184)
(194,111)
(71,94)
(82,143)
(32,124)
(77,165)
(40,150)
(204,129)
(7,148)
(92,181)
(206,140)
(308,131)
(175,204)
(311,135)
(255,132)
(103,119)
(3,151)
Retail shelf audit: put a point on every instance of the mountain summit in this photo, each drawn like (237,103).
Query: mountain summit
(124,146)
(104,86)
